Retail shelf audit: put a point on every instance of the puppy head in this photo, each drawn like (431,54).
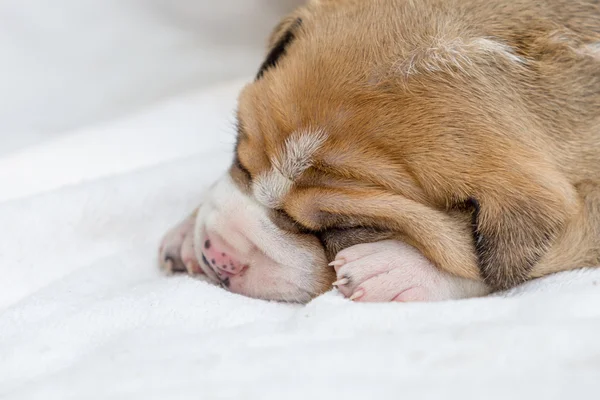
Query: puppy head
(378,120)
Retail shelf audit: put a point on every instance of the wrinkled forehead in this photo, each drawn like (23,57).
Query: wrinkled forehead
(273,149)
(330,95)
(284,128)
(304,95)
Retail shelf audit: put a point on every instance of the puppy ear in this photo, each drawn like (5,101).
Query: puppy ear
(441,237)
(514,230)
(279,31)
(281,38)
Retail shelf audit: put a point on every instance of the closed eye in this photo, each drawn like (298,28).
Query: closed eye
(238,164)
(286,222)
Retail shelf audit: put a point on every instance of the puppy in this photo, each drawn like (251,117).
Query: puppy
(425,150)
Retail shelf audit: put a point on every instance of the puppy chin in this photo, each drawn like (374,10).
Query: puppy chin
(242,249)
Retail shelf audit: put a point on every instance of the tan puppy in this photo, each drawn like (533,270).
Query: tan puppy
(429,149)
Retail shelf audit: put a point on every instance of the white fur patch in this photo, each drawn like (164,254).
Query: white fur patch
(586,50)
(590,50)
(298,153)
(456,53)
(491,46)
(270,188)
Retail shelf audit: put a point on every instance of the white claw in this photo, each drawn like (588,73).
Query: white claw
(341,282)
(357,295)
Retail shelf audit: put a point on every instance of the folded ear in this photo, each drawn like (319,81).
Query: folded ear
(515,225)
(515,220)
(281,38)
(444,239)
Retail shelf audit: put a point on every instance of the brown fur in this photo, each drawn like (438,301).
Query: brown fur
(486,159)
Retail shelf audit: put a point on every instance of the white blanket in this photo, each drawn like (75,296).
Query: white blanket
(85,313)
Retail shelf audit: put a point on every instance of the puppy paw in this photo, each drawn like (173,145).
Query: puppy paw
(176,252)
(391,270)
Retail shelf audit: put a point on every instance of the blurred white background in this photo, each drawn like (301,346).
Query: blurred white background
(67,64)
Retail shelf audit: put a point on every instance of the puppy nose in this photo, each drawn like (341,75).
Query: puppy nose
(221,257)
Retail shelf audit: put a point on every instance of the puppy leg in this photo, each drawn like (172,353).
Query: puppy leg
(391,270)
(176,253)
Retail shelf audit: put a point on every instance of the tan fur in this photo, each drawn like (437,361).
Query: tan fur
(430,107)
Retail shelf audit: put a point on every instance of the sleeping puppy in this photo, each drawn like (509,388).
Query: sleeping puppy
(409,151)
